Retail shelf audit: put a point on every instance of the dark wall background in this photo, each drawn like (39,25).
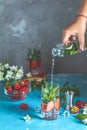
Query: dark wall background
(37,24)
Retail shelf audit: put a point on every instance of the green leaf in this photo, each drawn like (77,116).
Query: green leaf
(80,116)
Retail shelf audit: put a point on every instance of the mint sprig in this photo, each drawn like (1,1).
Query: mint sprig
(49,92)
(80,116)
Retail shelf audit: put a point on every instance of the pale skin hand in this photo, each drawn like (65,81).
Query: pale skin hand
(77,28)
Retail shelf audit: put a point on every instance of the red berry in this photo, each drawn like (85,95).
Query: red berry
(40,73)
(17,86)
(9,89)
(22,84)
(34,64)
(80,104)
(24,106)
(23,90)
(26,83)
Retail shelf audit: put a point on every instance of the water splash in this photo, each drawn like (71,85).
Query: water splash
(52,69)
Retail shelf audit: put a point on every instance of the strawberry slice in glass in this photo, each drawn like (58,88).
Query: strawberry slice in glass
(50,106)
(57,104)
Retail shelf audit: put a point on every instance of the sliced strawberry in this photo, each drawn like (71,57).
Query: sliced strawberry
(24,106)
(57,104)
(43,107)
(34,64)
(50,106)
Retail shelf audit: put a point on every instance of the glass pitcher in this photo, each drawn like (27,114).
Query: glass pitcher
(61,50)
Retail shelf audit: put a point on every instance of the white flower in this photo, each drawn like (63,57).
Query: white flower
(2,68)
(84,121)
(28,75)
(14,68)
(85,110)
(19,73)
(8,75)
(27,118)
(1,76)
(6,66)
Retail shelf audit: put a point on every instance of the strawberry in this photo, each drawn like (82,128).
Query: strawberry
(22,84)
(9,89)
(34,64)
(79,103)
(50,106)
(26,83)
(40,73)
(57,104)
(23,90)
(16,86)
(24,106)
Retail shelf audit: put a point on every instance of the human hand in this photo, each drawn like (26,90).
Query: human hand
(75,30)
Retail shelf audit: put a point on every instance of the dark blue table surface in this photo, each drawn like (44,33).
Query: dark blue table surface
(11,115)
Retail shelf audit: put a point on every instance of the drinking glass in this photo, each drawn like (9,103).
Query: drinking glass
(34,61)
(50,106)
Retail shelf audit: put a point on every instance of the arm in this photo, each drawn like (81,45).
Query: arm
(83,8)
(78,27)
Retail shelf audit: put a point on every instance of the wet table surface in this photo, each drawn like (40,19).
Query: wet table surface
(12,116)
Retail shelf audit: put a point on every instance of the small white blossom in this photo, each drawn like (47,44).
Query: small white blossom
(19,74)
(27,118)
(84,121)
(85,110)
(2,68)
(6,66)
(28,75)
(14,68)
(8,75)
(1,76)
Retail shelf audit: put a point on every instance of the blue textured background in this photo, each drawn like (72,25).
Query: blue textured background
(11,115)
